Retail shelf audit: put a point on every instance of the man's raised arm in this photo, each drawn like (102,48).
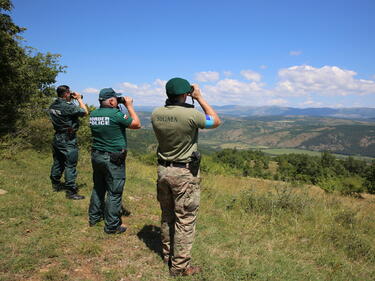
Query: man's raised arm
(136,123)
(208,110)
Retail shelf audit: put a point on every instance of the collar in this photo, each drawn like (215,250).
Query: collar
(183,104)
(62,100)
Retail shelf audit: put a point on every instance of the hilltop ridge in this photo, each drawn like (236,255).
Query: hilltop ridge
(259,111)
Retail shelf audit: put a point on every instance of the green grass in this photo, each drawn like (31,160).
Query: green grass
(248,229)
(281,151)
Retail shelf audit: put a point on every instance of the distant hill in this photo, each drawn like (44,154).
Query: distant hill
(312,133)
(343,136)
(245,111)
(249,111)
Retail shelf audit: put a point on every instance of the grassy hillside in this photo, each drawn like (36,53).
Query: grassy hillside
(247,229)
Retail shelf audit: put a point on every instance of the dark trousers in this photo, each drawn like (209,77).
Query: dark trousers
(109,179)
(65,158)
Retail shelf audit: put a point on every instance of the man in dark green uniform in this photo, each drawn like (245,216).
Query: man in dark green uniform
(109,147)
(64,115)
(176,128)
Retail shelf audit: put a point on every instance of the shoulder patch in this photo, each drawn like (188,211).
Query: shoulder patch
(126,116)
(209,122)
(55,111)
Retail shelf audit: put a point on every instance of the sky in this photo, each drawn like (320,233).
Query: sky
(297,53)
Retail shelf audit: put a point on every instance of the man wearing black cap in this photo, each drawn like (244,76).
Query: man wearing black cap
(176,129)
(64,115)
(109,147)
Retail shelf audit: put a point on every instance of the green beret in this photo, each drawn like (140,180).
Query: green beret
(177,86)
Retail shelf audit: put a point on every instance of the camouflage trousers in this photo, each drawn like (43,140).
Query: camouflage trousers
(178,193)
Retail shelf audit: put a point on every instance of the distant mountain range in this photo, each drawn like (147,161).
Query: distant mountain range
(257,111)
(342,136)
(314,133)
(246,111)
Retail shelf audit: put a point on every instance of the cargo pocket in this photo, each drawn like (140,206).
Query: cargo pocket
(117,177)
(192,198)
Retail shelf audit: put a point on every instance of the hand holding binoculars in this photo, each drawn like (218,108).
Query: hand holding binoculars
(75,95)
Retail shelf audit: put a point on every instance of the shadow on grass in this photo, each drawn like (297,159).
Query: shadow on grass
(150,235)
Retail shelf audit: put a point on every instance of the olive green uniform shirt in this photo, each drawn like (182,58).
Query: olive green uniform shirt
(64,116)
(108,129)
(176,129)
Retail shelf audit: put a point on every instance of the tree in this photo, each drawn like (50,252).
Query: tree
(24,73)
(328,160)
(370,178)
(355,166)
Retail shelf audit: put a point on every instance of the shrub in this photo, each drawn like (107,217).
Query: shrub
(329,184)
(354,245)
(349,186)
(352,186)
(282,200)
(369,184)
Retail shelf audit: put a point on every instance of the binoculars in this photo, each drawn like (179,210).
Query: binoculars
(121,100)
(72,95)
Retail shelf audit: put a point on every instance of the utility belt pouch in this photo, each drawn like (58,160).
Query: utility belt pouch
(118,158)
(195,163)
(71,134)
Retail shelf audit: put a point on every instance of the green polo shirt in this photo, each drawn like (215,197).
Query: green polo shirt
(108,129)
(65,115)
(176,129)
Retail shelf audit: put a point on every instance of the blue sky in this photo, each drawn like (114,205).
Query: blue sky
(288,53)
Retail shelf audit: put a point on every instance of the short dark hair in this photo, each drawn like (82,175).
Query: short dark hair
(173,99)
(61,90)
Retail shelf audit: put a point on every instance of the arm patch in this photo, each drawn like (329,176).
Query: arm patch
(209,122)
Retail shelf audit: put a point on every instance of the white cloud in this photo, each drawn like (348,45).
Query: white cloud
(146,93)
(295,53)
(311,103)
(90,91)
(263,66)
(313,84)
(307,80)
(251,75)
(277,102)
(295,81)
(207,76)
(129,86)
(231,91)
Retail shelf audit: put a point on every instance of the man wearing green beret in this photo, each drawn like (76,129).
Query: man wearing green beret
(109,147)
(176,128)
(64,116)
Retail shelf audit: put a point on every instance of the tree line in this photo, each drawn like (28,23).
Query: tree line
(25,74)
(349,176)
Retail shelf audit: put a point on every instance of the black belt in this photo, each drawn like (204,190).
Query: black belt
(65,133)
(106,152)
(69,136)
(173,164)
